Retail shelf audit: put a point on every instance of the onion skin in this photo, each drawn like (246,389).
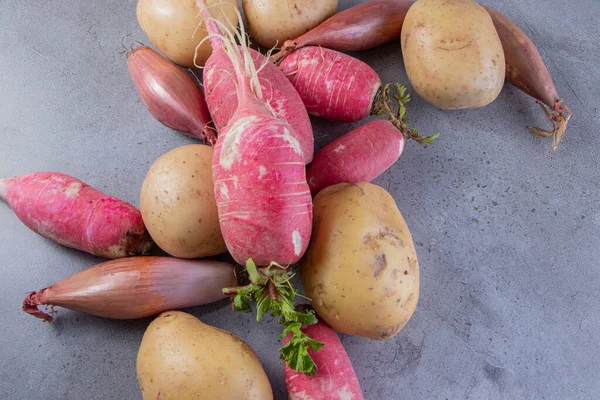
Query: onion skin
(136,287)
(526,70)
(171,95)
(361,27)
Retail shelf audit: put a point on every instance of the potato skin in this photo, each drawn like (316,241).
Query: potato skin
(170,26)
(178,203)
(361,269)
(452,53)
(181,358)
(272,22)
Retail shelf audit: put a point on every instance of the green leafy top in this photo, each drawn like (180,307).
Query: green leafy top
(383,107)
(273,293)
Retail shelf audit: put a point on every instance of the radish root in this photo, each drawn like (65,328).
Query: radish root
(31,303)
(559,116)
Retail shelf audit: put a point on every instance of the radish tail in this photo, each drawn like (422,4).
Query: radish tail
(31,303)
(559,116)
(3,189)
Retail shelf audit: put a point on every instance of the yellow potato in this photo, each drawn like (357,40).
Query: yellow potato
(171,27)
(361,269)
(178,204)
(452,53)
(181,358)
(272,22)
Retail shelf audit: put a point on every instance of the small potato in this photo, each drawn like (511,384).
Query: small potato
(272,22)
(361,269)
(181,358)
(452,53)
(171,26)
(178,205)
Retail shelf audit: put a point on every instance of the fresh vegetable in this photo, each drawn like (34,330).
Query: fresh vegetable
(178,203)
(135,287)
(173,27)
(272,22)
(332,85)
(265,207)
(364,26)
(358,156)
(170,94)
(336,379)
(273,293)
(220,86)
(69,212)
(452,53)
(338,87)
(526,70)
(182,358)
(361,269)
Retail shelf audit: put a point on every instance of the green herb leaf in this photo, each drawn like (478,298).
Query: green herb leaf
(295,352)
(241,304)
(273,293)
(253,274)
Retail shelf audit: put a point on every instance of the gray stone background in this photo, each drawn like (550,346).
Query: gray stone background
(507,232)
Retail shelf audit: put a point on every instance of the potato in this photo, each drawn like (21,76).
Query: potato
(361,269)
(178,204)
(272,22)
(452,53)
(171,27)
(181,358)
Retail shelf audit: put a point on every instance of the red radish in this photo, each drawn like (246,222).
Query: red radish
(526,70)
(332,85)
(220,87)
(358,156)
(361,27)
(69,212)
(135,287)
(170,94)
(264,203)
(341,88)
(335,378)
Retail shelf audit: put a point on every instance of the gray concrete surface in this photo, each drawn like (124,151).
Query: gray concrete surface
(508,233)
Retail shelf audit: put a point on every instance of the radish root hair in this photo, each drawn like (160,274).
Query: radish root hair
(228,36)
(3,188)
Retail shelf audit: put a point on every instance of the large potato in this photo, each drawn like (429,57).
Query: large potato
(181,358)
(361,269)
(171,27)
(453,55)
(272,22)
(178,204)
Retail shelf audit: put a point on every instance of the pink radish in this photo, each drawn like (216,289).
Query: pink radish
(264,203)
(332,85)
(69,212)
(358,156)
(220,88)
(335,378)
(341,88)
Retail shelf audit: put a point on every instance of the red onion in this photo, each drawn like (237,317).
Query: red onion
(169,93)
(135,287)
